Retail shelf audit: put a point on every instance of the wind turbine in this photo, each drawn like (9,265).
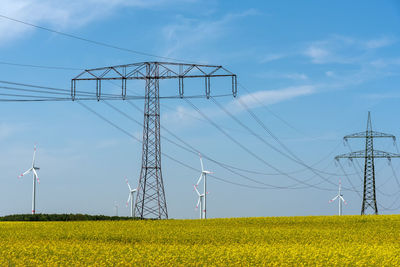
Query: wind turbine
(340,198)
(130,198)
(33,169)
(116,208)
(202,197)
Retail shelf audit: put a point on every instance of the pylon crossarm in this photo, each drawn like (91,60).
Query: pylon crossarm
(361,155)
(166,70)
(372,134)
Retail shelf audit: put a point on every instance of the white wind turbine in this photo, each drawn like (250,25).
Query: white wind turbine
(130,198)
(340,198)
(33,169)
(202,197)
(116,208)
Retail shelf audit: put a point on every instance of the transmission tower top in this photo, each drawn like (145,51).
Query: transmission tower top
(369,155)
(150,197)
(165,70)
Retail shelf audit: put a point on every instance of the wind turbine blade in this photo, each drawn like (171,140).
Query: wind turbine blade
(344,201)
(197,191)
(22,174)
(37,177)
(198,181)
(34,155)
(126,180)
(198,203)
(129,198)
(201,162)
(333,199)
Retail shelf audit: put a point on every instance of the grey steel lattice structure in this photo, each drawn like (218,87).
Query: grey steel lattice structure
(369,154)
(150,198)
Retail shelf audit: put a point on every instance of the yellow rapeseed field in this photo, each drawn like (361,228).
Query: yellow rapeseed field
(347,240)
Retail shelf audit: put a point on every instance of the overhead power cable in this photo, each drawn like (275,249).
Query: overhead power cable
(359,194)
(349,180)
(269,110)
(195,150)
(166,155)
(292,156)
(44,93)
(253,154)
(89,40)
(189,148)
(37,66)
(361,178)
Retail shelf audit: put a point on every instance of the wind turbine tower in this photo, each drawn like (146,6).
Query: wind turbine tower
(33,169)
(202,197)
(340,198)
(130,198)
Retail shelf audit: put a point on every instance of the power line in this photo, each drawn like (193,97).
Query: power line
(252,153)
(37,66)
(189,148)
(292,157)
(222,164)
(51,91)
(269,110)
(361,179)
(349,180)
(164,154)
(31,90)
(89,40)
(359,194)
(295,158)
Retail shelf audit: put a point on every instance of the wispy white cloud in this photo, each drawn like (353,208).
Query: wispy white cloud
(272,57)
(379,42)
(318,54)
(189,32)
(268,97)
(381,96)
(343,49)
(62,14)
(7,130)
(385,62)
(330,73)
(331,50)
(295,76)
(288,76)
(182,116)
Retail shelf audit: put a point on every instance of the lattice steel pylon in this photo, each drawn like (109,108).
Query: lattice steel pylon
(369,155)
(150,198)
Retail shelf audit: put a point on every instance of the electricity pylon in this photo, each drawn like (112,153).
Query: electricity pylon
(369,155)
(150,198)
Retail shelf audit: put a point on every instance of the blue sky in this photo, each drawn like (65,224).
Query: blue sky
(320,66)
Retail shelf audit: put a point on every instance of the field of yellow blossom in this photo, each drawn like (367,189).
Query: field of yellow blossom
(346,240)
